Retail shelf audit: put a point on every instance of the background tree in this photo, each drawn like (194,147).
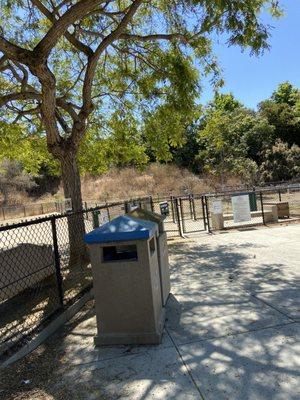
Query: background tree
(282,111)
(28,148)
(223,145)
(224,102)
(281,163)
(13,177)
(258,134)
(286,93)
(186,155)
(123,147)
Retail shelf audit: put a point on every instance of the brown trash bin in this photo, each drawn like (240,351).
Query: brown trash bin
(126,282)
(162,249)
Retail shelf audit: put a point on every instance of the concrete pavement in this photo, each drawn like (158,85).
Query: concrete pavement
(232,331)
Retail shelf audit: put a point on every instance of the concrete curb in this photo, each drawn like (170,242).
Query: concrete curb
(49,330)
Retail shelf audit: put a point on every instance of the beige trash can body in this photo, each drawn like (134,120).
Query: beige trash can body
(126,282)
(162,249)
(163,262)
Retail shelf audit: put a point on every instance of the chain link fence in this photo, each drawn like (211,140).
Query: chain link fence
(266,207)
(44,268)
(44,265)
(9,213)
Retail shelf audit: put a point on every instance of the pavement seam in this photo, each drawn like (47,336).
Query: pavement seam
(274,308)
(239,333)
(186,366)
(128,354)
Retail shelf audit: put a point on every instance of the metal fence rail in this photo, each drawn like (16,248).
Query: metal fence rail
(33,209)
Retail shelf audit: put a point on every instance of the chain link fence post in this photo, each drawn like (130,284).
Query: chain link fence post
(57,263)
(194,208)
(182,215)
(107,209)
(172,208)
(126,208)
(178,216)
(207,214)
(151,203)
(191,206)
(262,207)
(203,212)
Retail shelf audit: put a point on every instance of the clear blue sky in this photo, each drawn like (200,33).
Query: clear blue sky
(252,79)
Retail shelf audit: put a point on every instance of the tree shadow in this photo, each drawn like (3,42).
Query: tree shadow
(210,297)
(219,288)
(29,292)
(27,288)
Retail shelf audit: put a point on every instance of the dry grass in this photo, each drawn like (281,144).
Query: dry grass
(156,180)
(16,198)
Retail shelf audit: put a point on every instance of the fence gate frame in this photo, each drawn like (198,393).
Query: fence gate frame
(186,210)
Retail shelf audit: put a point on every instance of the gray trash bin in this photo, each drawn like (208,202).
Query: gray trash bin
(162,249)
(126,282)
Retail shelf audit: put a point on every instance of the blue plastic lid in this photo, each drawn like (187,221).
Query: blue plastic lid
(122,228)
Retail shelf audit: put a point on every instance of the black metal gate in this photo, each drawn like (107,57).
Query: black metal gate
(193,216)
(183,215)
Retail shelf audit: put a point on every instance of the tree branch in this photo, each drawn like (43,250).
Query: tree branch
(158,36)
(93,60)
(60,26)
(19,96)
(14,52)
(140,38)
(70,37)
(22,80)
(23,113)
(2,65)
(62,122)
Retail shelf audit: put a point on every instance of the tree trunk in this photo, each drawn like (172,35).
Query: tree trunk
(71,180)
(72,190)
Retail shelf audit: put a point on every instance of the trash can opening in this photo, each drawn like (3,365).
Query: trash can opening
(120,252)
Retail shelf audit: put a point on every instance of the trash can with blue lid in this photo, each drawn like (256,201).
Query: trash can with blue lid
(162,249)
(126,282)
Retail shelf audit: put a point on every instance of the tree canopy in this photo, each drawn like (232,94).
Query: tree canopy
(64,64)
(283,111)
(235,140)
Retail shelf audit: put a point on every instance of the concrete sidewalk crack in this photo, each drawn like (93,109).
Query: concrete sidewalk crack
(239,333)
(274,308)
(201,396)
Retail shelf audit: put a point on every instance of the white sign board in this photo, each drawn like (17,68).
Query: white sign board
(241,208)
(103,217)
(217,207)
